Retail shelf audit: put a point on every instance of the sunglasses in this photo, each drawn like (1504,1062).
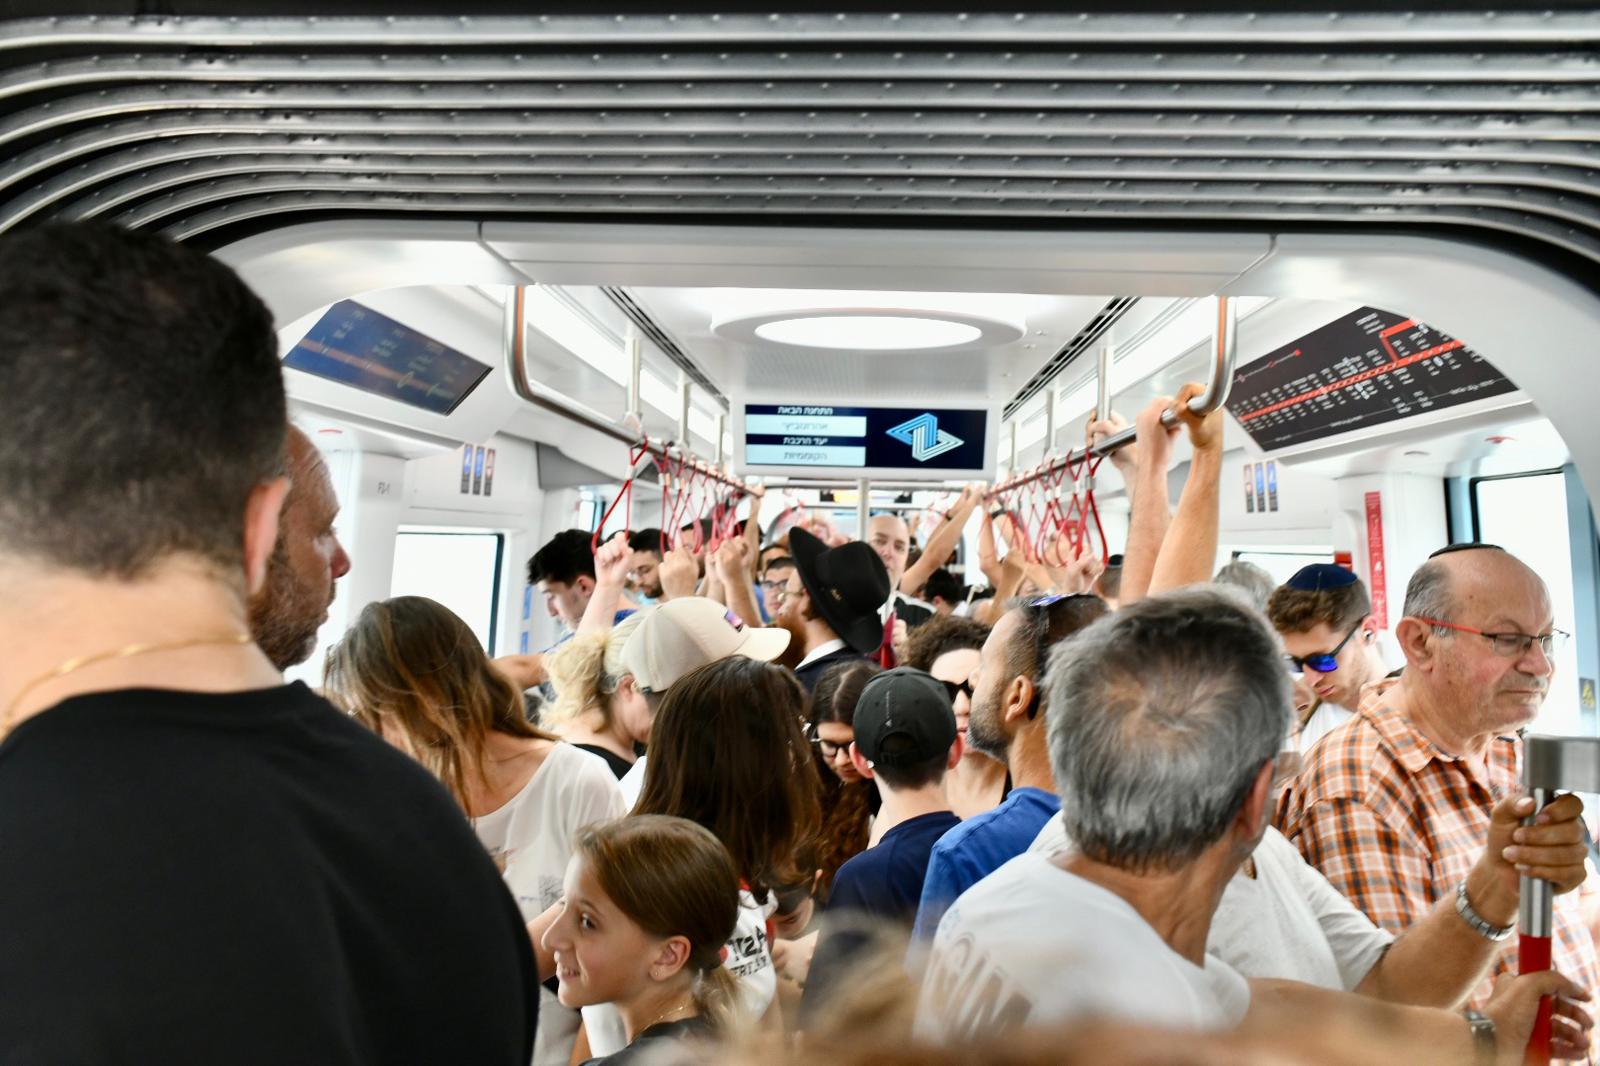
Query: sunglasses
(957,688)
(1322,662)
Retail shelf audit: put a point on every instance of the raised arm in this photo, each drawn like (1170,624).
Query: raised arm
(1147,527)
(942,541)
(610,572)
(1188,554)
(732,561)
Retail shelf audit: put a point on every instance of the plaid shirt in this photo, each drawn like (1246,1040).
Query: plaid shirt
(1395,824)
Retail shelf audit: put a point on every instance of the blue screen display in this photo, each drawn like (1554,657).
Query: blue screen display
(906,438)
(356,346)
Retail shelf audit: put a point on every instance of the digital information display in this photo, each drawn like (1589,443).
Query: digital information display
(912,441)
(1365,369)
(356,346)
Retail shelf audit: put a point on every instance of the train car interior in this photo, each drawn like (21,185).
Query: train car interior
(1013,216)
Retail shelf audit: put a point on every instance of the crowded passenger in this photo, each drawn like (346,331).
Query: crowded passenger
(774,583)
(1394,806)
(1324,616)
(727,751)
(413,672)
(1250,579)
(201,863)
(950,649)
(563,571)
(1167,731)
(847,799)
(646,548)
(306,560)
(904,744)
(1109,584)
(1007,723)
(945,592)
(831,605)
(598,705)
(674,639)
(647,905)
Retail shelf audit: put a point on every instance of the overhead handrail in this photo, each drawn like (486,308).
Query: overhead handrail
(678,466)
(1223,356)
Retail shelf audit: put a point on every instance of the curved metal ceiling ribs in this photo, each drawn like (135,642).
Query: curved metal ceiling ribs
(1488,121)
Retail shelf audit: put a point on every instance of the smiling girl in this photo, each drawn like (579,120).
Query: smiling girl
(650,901)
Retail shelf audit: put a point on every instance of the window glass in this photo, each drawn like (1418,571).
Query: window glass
(460,570)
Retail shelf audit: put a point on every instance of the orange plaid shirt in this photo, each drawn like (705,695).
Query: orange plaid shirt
(1395,824)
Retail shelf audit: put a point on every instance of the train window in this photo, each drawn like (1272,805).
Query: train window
(1283,565)
(1501,507)
(459,569)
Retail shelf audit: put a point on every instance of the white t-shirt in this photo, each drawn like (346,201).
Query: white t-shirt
(1324,720)
(632,782)
(1287,922)
(1032,945)
(747,955)
(533,836)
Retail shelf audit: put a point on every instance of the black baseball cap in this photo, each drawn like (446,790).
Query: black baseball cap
(904,703)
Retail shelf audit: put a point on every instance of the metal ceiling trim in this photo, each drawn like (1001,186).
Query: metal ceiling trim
(1569,210)
(258,111)
(1229,29)
(1014,175)
(1029,63)
(984,99)
(251,208)
(1080,342)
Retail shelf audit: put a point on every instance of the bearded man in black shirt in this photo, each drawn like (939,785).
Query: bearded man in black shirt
(201,864)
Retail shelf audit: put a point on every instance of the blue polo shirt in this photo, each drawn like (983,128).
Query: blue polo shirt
(977,848)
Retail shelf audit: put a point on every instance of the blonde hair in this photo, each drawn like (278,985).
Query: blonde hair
(672,877)
(586,670)
(412,661)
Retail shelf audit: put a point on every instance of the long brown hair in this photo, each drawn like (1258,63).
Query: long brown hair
(727,751)
(846,808)
(411,660)
(673,878)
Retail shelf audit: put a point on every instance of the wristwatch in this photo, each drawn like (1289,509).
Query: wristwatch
(1479,924)
(1484,1050)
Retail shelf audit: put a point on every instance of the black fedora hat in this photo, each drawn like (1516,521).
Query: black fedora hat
(848,585)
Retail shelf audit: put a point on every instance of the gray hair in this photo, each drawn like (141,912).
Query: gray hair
(1161,716)
(1428,593)
(1257,584)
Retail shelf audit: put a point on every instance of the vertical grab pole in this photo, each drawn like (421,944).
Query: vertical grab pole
(863,507)
(1049,420)
(685,387)
(722,452)
(1535,930)
(1011,469)
(1102,392)
(635,370)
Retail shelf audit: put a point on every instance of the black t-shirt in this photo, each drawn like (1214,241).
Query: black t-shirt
(245,878)
(617,763)
(647,1044)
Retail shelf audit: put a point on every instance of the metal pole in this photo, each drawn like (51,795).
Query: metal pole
(863,507)
(685,387)
(1011,468)
(1224,352)
(513,337)
(635,370)
(722,434)
(1049,420)
(1102,394)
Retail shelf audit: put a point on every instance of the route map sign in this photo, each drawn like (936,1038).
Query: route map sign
(1359,371)
(358,347)
(913,440)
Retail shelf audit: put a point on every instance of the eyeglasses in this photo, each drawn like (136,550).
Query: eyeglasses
(1322,662)
(1049,633)
(1509,645)
(957,688)
(828,748)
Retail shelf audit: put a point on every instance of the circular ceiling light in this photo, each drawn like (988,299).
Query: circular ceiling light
(869,329)
(883,333)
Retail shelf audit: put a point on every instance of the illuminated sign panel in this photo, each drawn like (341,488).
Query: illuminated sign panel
(915,442)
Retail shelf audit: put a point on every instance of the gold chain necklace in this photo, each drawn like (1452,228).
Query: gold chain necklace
(127,652)
(658,1019)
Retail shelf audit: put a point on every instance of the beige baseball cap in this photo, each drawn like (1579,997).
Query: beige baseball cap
(685,634)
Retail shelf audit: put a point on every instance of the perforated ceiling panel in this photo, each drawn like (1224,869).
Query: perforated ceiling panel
(1482,122)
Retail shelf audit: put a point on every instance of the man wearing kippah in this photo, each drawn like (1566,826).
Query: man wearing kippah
(1324,616)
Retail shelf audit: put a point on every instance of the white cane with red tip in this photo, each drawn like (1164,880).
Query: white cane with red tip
(1569,764)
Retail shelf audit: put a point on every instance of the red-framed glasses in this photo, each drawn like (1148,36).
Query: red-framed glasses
(1508,644)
